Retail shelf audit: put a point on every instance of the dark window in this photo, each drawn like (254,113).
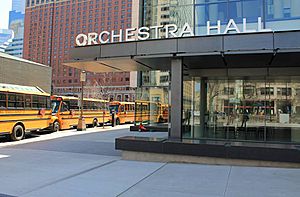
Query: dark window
(19,101)
(2,100)
(11,100)
(27,101)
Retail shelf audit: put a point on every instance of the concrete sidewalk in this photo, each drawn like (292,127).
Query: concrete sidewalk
(49,169)
(90,175)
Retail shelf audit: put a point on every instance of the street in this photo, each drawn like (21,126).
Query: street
(72,163)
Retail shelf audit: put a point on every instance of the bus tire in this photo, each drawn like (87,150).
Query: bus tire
(95,122)
(18,133)
(56,126)
(117,121)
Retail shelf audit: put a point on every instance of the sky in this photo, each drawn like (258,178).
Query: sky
(5,7)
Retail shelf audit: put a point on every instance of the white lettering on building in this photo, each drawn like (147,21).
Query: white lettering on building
(169,31)
(232,27)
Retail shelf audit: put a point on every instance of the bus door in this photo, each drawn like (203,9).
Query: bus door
(122,113)
(65,115)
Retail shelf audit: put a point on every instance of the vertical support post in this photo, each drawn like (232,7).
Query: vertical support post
(203,108)
(81,126)
(103,119)
(176,98)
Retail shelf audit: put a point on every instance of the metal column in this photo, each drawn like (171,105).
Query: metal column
(203,108)
(176,98)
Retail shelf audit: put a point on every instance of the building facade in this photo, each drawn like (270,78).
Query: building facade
(18,5)
(25,72)
(229,69)
(267,101)
(6,37)
(16,24)
(50,31)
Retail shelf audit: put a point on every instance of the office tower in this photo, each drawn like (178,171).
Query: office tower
(6,37)
(51,27)
(18,5)
(16,24)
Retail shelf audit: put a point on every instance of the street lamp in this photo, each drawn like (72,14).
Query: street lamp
(81,122)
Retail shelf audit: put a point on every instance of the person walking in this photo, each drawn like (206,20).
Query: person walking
(245,118)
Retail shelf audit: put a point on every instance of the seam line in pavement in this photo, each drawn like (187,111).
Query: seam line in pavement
(69,177)
(227,183)
(142,179)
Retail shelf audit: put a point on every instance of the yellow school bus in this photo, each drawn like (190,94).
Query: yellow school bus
(124,111)
(148,112)
(65,112)
(23,109)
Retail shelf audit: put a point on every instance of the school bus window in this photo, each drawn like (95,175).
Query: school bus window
(19,101)
(65,107)
(122,108)
(27,101)
(35,102)
(74,104)
(55,106)
(48,100)
(85,105)
(89,106)
(100,106)
(94,106)
(2,100)
(11,100)
(42,102)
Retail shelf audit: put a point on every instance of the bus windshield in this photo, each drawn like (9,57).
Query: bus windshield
(55,106)
(114,108)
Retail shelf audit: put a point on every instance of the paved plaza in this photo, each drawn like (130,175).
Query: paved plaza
(71,163)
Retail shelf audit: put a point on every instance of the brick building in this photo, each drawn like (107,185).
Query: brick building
(50,30)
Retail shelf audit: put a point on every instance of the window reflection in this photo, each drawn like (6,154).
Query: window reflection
(255,110)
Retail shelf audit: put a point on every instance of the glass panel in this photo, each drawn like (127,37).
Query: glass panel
(216,119)
(210,12)
(35,101)
(188,97)
(27,101)
(282,14)
(2,100)
(11,100)
(19,100)
(295,110)
(283,115)
(248,109)
(191,108)
(249,9)
(165,12)
(152,99)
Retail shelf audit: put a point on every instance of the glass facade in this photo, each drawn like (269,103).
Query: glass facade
(276,14)
(153,98)
(240,108)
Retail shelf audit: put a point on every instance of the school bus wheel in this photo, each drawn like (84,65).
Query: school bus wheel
(18,133)
(56,126)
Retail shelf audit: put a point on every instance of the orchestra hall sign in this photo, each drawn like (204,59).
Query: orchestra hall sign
(171,31)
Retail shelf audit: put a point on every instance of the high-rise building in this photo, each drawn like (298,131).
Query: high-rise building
(51,27)
(6,37)
(16,24)
(18,5)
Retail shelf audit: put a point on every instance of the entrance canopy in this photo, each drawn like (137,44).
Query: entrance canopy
(249,54)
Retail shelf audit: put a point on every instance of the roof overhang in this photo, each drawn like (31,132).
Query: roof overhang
(231,51)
